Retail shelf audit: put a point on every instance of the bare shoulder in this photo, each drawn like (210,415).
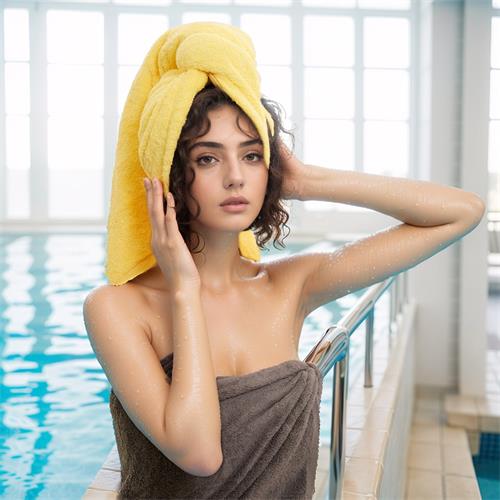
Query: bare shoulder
(293,273)
(288,270)
(124,294)
(124,300)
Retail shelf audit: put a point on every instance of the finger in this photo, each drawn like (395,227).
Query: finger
(171,216)
(284,149)
(148,188)
(150,202)
(157,207)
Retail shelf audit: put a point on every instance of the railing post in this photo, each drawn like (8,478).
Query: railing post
(392,313)
(337,444)
(397,284)
(405,274)
(369,348)
(401,293)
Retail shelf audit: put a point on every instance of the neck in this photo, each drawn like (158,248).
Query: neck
(219,263)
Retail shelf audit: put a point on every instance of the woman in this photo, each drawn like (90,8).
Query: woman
(229,321)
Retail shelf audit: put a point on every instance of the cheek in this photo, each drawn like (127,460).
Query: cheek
(258,174)
(202,186)
(265,179)
(202,191)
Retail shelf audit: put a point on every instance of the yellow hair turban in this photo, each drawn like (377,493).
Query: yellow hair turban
(178,65)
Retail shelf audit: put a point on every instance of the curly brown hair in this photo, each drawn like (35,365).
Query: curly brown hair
(272,214)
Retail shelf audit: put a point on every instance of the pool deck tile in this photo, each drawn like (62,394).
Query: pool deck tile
(444,436)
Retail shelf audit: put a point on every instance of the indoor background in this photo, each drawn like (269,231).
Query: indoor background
(406,88)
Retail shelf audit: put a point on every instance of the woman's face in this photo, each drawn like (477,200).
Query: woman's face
(231,165)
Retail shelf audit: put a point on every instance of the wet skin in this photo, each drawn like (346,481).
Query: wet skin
(255,325)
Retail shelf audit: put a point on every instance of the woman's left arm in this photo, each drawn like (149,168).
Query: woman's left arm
(419,203)
(433,217)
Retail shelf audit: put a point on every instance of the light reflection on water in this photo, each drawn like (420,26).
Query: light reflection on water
(56,425)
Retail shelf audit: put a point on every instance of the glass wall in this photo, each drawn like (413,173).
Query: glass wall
(341,69)
(494,130)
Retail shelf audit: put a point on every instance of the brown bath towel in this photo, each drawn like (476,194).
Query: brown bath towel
(270,440)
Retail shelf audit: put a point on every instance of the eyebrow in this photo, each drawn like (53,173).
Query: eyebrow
(210,144)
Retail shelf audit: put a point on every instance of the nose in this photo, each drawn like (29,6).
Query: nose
(233,174)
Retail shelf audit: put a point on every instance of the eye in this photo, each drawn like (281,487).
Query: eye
(257,156)
(200,162)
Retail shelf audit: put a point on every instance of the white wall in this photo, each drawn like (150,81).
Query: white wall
(474,166)
(446,285)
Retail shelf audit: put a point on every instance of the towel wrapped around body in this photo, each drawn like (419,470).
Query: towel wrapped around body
(270,440)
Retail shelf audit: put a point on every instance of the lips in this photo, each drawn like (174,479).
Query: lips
(234,207)
(235,200)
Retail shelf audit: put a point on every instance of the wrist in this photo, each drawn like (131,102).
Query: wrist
(304,188)
(311,177)
(185,291)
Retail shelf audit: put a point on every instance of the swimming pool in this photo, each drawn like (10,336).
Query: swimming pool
(486,465)
(56,426)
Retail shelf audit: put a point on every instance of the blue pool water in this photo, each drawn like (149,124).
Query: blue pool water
(56,427)
(487,466)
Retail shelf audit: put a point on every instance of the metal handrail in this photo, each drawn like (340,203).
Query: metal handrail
(332,351)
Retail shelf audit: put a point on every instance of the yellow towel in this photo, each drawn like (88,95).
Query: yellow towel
(178,65)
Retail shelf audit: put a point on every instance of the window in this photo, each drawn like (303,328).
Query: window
(494,125)
(340,69)
(17,112)
(132,50)
(357,93)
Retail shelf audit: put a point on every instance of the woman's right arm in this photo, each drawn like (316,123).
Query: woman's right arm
(182,419)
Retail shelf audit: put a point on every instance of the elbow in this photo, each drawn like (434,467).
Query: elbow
(196,453)
(474,209)
(479,206)
(205,465)
(211,465)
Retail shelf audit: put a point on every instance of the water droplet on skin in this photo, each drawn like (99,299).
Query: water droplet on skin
(185,337)
(182,396)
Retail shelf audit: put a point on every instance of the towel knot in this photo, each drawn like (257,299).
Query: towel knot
(186,62)
(197,51)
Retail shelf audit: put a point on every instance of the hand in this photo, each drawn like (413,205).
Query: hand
(169,248)
(294,172)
